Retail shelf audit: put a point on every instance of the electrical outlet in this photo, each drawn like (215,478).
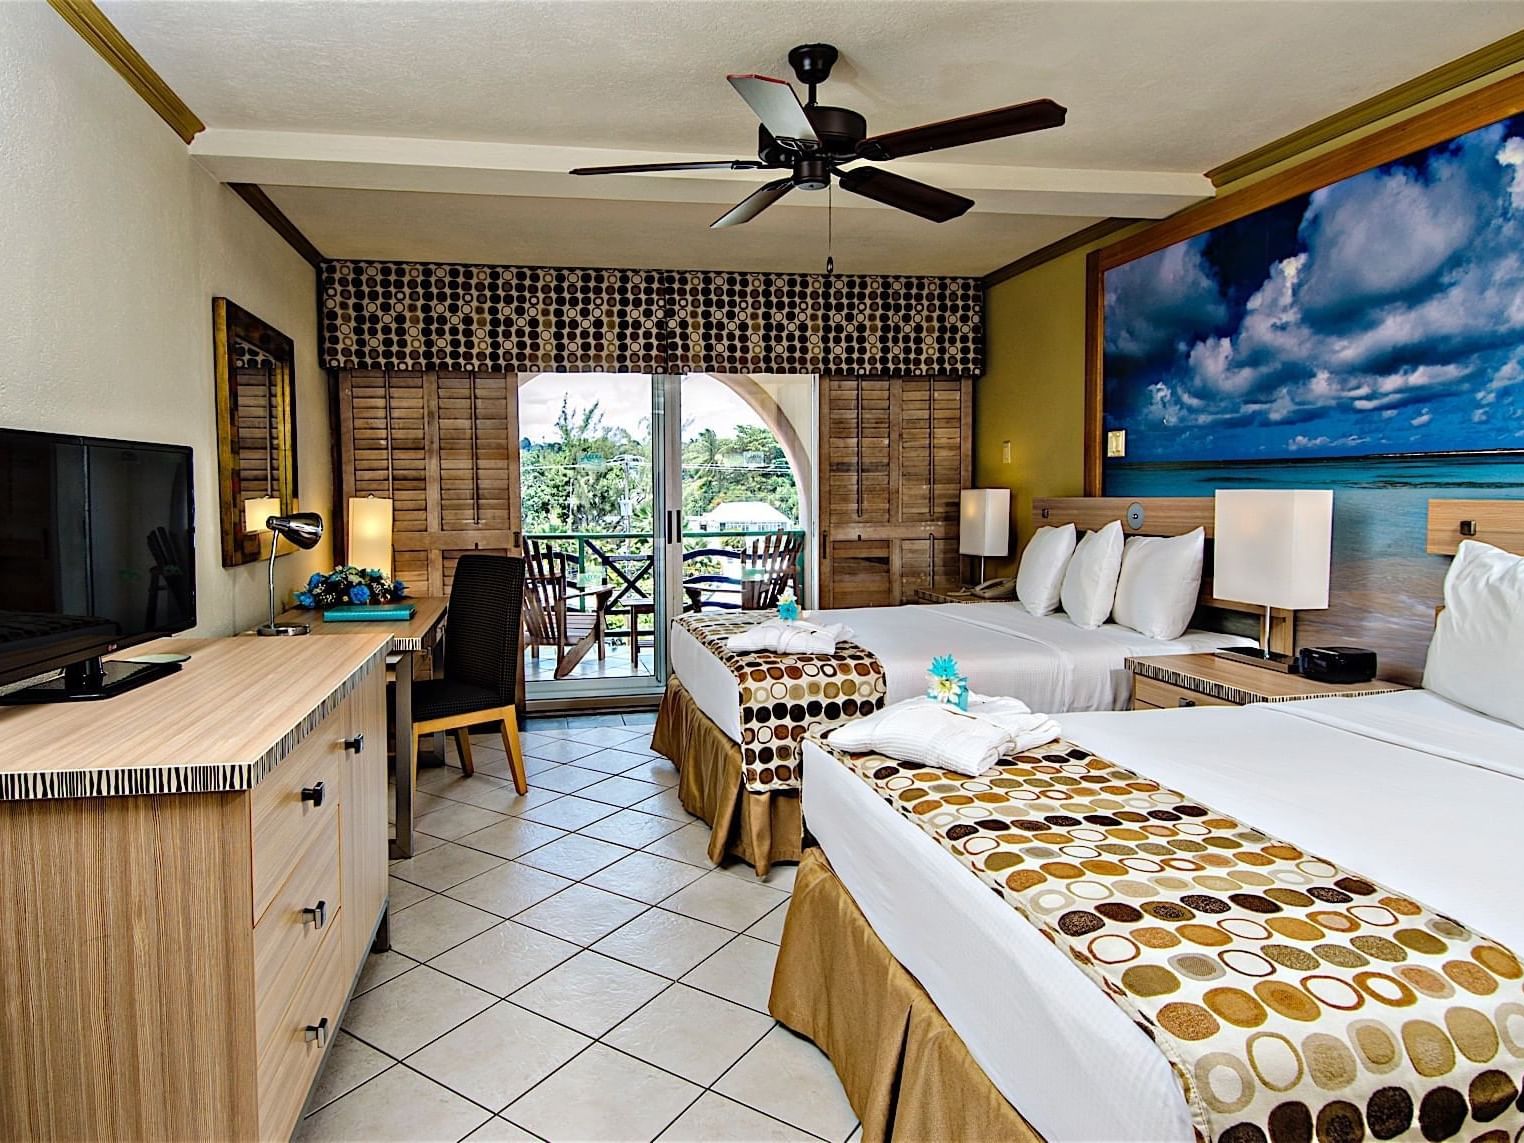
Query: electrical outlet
(1116,443)
(1005,452)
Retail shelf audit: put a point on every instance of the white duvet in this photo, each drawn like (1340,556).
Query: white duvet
(1046,661)
(1407,788)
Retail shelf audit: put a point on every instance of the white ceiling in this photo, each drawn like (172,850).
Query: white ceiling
(1157,90)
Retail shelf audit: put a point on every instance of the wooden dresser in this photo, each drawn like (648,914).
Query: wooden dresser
(191,875)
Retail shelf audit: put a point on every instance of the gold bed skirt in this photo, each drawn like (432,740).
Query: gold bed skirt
(758,828)
(906,1072)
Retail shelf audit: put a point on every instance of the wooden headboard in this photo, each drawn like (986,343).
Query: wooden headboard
(1496,522)
(1159,516)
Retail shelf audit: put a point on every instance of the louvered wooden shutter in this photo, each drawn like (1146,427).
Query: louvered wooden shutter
(444,447)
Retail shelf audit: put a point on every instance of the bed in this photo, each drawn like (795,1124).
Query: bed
(1046,661)
(1417,765)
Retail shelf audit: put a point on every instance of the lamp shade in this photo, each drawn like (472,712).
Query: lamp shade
(304,529)
(370,533)
(984,522)
(1272,547)
(257,511)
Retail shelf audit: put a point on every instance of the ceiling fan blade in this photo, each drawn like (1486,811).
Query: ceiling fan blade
(777,104)
(753,204)
(905,194)
(643,168)
(1038,115)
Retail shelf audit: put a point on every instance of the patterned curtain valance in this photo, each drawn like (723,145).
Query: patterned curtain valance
(408,315)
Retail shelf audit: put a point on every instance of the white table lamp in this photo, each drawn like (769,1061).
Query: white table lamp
(370,533)
(1272,547)
(984,523)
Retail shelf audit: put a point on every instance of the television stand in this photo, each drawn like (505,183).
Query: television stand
(90,680)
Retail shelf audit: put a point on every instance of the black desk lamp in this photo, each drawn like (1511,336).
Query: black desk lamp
(304,529)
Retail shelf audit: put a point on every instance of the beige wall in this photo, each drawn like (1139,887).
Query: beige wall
(1033,390)
(114,244)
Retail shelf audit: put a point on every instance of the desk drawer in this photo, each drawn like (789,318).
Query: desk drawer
(287,939)
(291,1060)
(294,803)
(1166,695)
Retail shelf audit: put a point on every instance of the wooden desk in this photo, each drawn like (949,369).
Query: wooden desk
(411,639)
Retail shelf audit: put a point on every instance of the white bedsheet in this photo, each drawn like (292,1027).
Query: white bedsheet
(1325,775)
(1046,661)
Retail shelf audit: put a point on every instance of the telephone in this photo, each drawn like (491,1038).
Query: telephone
(996,588)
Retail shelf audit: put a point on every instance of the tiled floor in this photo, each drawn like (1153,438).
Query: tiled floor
(569,966)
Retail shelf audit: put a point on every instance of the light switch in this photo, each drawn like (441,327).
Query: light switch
(1005,452)
(1116,443)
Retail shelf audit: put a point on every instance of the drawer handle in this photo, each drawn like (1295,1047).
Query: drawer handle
(1185,702)
(315,794)
(316,915)
(355,745)
(318,1032)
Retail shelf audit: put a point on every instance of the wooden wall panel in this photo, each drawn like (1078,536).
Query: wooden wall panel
(445,447)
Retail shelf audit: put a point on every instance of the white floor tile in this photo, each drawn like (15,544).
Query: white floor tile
(742,971)
(521,804)
(404,1014)
(511,837)
(715,1119)
(620,791)
(789,1078)
(645,877)
(557,749)
(505,958)
(611,761)
(574,856)
(398,1105)
(381,967)
(456,819)
(400,894)
(498,1055)
(422,842)
(604,1095)
(667,804)
(568,812)
(724,900)
(689,1032)
(499,1130)
(425,930)
(510,888)
(350,1063)
(445,866)
(566,779)
(657,771)
(662,942)
(590,993)
(606,736)
(581,914)
(770,927)
(690,844)
(631,828)
(780,876)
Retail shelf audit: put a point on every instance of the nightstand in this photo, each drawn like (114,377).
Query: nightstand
(927,595)
(1165,681)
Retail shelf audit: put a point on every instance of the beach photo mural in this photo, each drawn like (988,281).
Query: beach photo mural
(1367,337)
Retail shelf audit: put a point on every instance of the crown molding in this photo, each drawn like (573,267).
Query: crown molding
(1445,78)
(263,206)
(102,35)
(1095,232)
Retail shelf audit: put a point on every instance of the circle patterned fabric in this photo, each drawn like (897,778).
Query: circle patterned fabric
(1295,1000)
(784,696)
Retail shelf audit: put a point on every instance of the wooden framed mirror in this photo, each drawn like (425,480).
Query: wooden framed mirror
(256,428)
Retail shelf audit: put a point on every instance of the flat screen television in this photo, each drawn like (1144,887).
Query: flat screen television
(97,553)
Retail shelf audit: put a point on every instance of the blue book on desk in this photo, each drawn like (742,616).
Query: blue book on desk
(369,613)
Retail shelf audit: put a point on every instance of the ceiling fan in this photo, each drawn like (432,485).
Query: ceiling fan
(813,142)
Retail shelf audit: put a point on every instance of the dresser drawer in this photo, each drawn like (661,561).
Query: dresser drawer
(293,804)
(290,1062)
(1152,692)
(292,930)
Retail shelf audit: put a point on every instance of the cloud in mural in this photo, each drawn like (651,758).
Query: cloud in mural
(1385,311)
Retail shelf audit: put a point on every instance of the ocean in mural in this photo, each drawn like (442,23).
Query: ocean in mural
(1367,337)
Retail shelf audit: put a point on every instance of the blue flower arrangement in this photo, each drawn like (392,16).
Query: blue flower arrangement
(788,608)
(350,585)
(945,684)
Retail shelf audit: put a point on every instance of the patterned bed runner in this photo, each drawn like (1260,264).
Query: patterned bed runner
(1295,1000)
(785,696)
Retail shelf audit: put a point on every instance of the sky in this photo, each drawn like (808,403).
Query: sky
(624,399)
(1382,314)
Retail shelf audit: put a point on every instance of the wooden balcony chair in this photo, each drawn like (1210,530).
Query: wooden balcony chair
(548,621)
(769,566)
(481,659)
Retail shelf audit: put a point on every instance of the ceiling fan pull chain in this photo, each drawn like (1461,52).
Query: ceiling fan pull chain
(830,234)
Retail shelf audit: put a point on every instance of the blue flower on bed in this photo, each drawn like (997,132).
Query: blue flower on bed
(946,685)
(788,609)
(944,667)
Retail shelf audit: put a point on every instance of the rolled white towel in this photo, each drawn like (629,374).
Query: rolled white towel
(933,734)
(797,637)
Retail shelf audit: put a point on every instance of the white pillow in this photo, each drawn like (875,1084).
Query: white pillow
(1042,568)
(1090,582)
(1159,584)
(1476,657)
